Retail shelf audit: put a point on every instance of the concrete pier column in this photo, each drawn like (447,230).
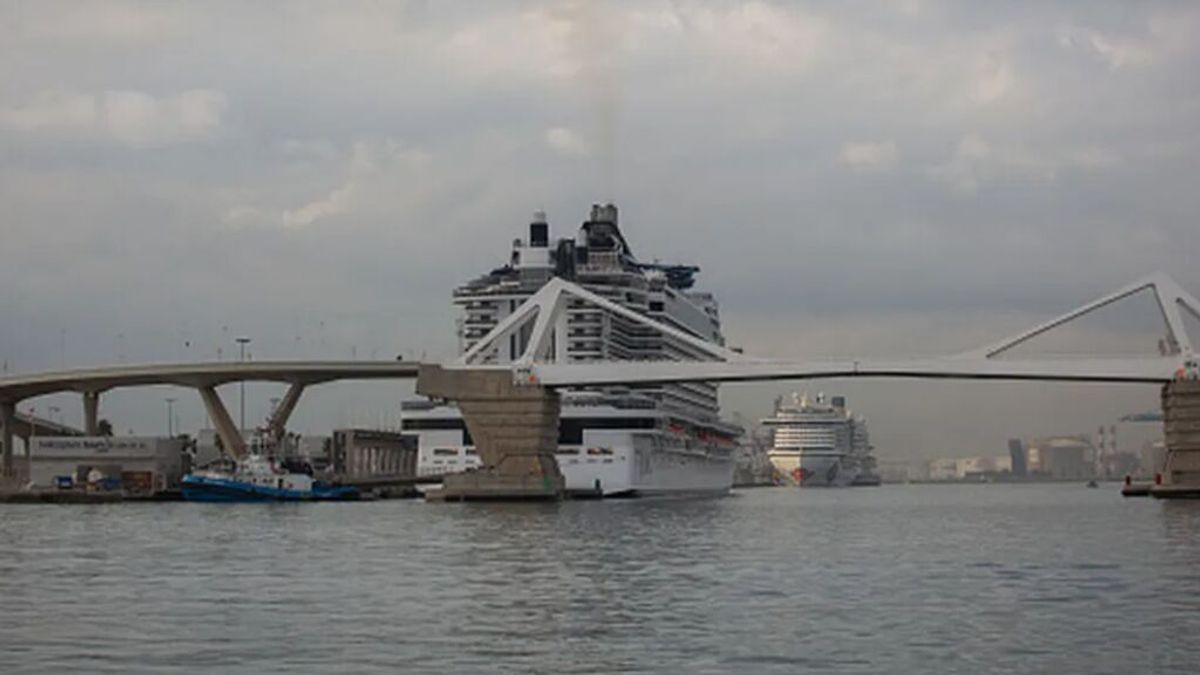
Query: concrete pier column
(515,429)
(91,412)
(8,414)
(1181,429)
(231,438)
(284,410)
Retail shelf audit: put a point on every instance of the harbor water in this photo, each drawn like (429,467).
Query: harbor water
(928,579)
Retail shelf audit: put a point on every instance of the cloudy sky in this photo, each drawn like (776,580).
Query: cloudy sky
(913,177)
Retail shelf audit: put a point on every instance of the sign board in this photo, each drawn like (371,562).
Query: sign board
(95,447)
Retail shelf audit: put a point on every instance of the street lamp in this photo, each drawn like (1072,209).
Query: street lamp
(170,416)
(242,342)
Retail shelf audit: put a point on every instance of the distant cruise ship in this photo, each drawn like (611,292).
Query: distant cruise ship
(820,443)
(613,441)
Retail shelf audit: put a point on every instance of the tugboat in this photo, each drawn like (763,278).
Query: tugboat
(260,479)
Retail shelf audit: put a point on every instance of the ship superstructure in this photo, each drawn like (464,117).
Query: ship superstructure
(819,443)
(612,440)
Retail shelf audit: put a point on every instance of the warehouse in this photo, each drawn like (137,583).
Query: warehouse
(135,464)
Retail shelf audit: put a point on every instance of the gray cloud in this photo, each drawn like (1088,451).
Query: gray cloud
(920,176)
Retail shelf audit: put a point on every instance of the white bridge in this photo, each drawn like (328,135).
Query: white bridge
(512,411)
(511,408)
(543,326)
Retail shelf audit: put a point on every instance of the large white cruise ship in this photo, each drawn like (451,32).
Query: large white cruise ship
(613,441)
(819,443)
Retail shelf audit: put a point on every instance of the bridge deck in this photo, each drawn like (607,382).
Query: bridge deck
(1142,370)
(204,374)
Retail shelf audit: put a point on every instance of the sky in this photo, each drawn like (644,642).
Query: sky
(900,178)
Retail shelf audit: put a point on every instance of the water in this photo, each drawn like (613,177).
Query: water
(928,579)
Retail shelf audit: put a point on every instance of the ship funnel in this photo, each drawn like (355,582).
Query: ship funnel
(606,213)
(539,231)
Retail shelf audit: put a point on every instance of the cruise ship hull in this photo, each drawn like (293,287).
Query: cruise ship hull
(606,463)
(631,471)
(804,470)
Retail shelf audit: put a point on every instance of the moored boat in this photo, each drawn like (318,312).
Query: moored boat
(260,479)
(820,443)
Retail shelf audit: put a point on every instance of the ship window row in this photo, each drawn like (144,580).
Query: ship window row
(689,397)
(442,452)
(570,430)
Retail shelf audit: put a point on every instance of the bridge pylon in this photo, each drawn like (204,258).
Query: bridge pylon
(514,429)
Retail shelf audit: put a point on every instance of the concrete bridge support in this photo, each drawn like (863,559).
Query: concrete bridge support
(91,413)
(8,416)
(231,436)
(1181,428)
(515,430)
(284,410)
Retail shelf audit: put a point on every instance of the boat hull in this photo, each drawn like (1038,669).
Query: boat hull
(630,468)
(811,470)
(207,489)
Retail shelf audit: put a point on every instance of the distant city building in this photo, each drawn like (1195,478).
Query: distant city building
(1016,453)
(963,468)
(982,466)
(1062,457)
(943,469)
(899,471)
(1075,457)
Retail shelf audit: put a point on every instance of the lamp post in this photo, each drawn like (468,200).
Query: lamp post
(170,416)
(242,342)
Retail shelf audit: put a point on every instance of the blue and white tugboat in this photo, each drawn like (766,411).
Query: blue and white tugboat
(260,479)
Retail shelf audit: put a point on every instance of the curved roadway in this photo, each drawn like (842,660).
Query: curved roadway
(207,374)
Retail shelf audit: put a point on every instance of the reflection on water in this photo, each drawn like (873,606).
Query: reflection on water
(995,578)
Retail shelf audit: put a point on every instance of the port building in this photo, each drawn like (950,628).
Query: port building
(135,464)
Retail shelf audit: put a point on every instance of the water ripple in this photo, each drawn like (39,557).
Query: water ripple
(896,579)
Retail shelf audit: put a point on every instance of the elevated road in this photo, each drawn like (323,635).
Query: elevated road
(26,426)
(204,377)
(196,375)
